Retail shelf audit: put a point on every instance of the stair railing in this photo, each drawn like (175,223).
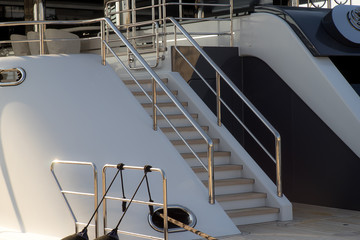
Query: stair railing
(156,80)
(221,75)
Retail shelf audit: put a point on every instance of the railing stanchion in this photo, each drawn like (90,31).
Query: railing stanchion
(103,49)
(278,166)
(41,39)
(154,102)
(218,99)
(211,173)
(231,23)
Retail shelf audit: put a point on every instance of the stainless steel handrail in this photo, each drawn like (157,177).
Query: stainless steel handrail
(131,22)
(163,205)
(20,79)
(64,192)
(177,103)
(237,91)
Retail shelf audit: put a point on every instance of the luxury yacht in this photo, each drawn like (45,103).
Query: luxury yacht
(156,119)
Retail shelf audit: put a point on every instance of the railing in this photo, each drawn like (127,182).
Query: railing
(156,80)
(163,205)
(220,74)
(106,23)
(65,192)
(14,77)
(322,3)
(124,15)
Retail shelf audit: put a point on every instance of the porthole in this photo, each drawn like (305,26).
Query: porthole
(12,76)
(177,212)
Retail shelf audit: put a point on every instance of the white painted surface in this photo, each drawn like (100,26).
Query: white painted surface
(316,80)
(71,107)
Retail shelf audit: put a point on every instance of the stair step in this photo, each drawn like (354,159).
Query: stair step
(204,154)
(219,158)
(166,107)
(176,116)
(143,81)
(253,215)
(218,168)
(198,145)
(240,196)
(164,104)
(159,93)
(232,185)
(221,171)
(146,84)
(186,132)
(241,200)
(176,119)
(183,129)
(232,181)
(193,141)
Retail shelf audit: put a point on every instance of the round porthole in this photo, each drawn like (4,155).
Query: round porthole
(179,213)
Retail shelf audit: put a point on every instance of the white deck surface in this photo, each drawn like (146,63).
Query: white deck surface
(310,223)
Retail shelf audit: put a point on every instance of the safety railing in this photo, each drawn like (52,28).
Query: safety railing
(67,192)
(321,3)
(12,76)
(221,75)
(155,107)
(125,15)
(149,203)
(106,24)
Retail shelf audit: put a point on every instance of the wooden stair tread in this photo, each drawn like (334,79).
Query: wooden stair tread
(218,168)
(176,116)
(240,196)
(231,181)
(252,211)
(193,141)
(183,129)
(163,104)
(204,154)
(162,93)
(143,81)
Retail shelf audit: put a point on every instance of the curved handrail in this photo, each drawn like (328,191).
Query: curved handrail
(20,79)
(164,205)
(64,192)
(237,91)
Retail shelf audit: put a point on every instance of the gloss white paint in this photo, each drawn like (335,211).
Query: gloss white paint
(70,107)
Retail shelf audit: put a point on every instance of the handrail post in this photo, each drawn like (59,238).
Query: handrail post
(180,10)
(154,102)
(218,99)
(278,166)
(231,23)
(164,24)
(165,206)
(103,52)
(211,173)
(41,39)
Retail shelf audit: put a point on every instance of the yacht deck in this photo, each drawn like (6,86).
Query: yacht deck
(310,223)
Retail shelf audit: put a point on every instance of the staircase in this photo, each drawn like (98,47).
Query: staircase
(233,192)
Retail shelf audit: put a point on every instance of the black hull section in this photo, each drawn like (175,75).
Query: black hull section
(318,167)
